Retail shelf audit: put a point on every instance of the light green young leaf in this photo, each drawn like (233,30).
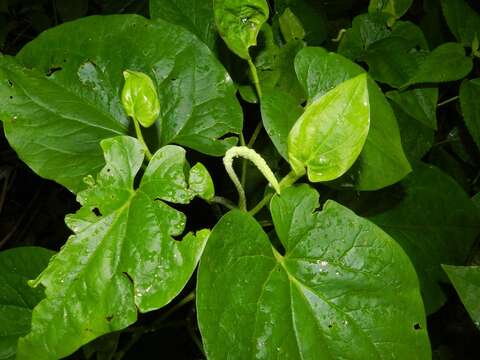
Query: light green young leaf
(463,21)
(55,122)
(420,104)
(122,256)
(328,137)
(194,15)
(17,299)
(319,71)
(466,280)
(140,98)
(469,101)
(435,223)
(238,23)
(343,284)
(394,9)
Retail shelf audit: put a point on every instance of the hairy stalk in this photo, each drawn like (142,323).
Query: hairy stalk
(257,160)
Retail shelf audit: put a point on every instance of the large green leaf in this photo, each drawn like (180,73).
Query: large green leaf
(56,121)
(369,28)
(319,71)
(329,136)
(469,96)
(123,256)
(394,61)
(466,280)
(435,222)
(344,288)
(194,15)
(394,9)
(238,23)
(462,20)
(17,299)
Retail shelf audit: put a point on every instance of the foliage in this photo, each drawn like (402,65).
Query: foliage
(358,176)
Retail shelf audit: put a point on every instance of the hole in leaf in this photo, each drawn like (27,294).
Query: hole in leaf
(330,326)
(11,97)
(417,326)
(53,70)
(10,83)
(96,211)
(109,318)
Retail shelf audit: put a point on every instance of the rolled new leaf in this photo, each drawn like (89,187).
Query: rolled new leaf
(140,98)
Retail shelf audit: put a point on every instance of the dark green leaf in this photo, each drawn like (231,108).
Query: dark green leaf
(329,136)
(320,71)
(17,299)
(394,61)
(291,26)
(343,287)
(194,15)
(466,280)
(239,22)
(122,257)
(394,9)
(469,101)
(462,20)
(435,222)
(55,122)
(420,104)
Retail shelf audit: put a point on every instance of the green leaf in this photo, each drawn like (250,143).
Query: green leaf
(343,284)
(56,122)
(238,23)
(469,96)
(311,17)
(194,15)
(466,280)
(369,28)
(393,61)
(280,111)
(420,104)
(435,222)
(17,299)
(329,136)
(122,256)
(319,71)
(463,21)
(394,9)
(291,26)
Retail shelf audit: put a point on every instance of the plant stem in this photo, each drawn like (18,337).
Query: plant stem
(140,138)
(255,79)
(448,101)
(223,201)
(260,204)
(255,134)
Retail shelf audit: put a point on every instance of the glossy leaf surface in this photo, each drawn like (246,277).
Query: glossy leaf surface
(194,15)
(238,23)
(328,137)
(319,71)
(65,114)
(17,299)
(122,256)
(469,101)
(462,20)
(466,280)
(394,9)
(343,284)
(435,222)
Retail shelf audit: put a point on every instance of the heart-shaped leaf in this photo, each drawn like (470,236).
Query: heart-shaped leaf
(343,287)
(329,136)
(123,255)
(59,102)
(319,71)
(17,299)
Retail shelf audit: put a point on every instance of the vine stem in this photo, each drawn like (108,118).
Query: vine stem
(255,79)
(140,138)
(448,101)
(257,160)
